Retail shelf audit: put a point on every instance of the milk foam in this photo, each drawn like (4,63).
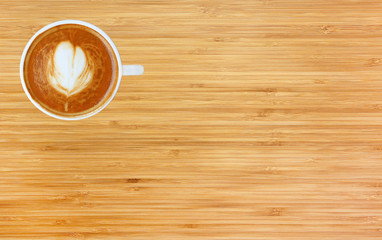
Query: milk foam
(69,69)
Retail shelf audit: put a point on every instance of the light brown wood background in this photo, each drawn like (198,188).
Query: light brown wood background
(253,120)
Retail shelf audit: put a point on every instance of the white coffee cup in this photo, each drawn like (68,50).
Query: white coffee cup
(123,70)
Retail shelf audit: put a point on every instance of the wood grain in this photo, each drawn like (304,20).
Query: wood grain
(253,120)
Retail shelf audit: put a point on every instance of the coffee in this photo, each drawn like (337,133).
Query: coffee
(70,70)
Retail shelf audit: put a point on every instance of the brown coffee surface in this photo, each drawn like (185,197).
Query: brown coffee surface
(45,80)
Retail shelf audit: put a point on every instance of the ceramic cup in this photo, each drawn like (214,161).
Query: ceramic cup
(123,70)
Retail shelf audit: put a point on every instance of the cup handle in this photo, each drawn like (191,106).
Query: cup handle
(132,70)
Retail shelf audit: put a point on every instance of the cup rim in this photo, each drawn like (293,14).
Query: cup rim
(77,22)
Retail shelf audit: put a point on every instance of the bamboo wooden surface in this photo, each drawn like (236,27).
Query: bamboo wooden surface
(253,120)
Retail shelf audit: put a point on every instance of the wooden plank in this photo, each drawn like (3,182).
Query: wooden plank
(253,120)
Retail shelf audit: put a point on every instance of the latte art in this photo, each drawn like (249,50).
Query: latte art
(69,71)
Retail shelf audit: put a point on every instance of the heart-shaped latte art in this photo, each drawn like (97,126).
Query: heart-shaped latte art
(69,69)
